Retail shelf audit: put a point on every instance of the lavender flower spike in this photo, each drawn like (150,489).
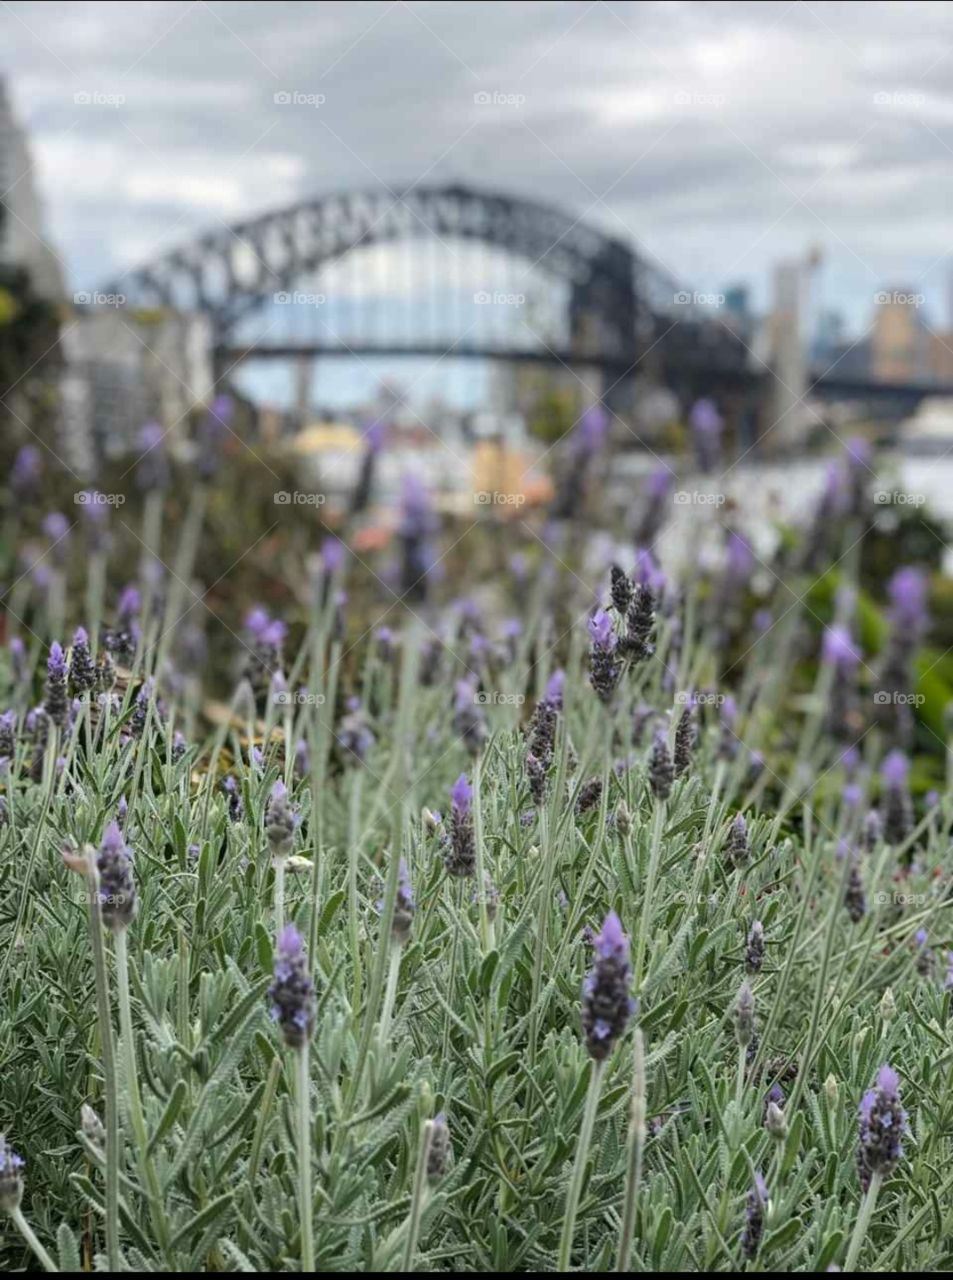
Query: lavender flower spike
(604,669)
(280,821)
(11,1177)
(460,855)
(117,888)
(606,1003)
(754,1217)
(292,991)
(56,703)
(82,668)
(882,1124)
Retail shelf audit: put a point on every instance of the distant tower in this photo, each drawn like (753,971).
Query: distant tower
(899,342)
(23,241)
(789,322)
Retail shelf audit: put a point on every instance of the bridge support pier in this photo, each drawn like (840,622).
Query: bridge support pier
(304,388)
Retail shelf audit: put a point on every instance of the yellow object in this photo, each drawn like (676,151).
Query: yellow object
(327,435)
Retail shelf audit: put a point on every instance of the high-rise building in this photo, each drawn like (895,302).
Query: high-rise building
(23,241)
(899,344)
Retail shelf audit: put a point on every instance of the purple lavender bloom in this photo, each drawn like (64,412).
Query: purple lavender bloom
(739,559)
(281,821)
(256,620)
(56,702)
(95,515)
(117,888)
(438,1157)
(26,472)
(607,1004)
(57,527)
(837,648)
(417,525)
(11,1177)
(882,1125)
(706,425)
(404,907)
(332,555)
(661,770)
(461,796)
(354,733)
(18,659)
(460,851)
(591,433)
(553,693)
(604,669)
(8,734)
(754,1217)
(292,991)
(897,805)
(907,590)
(152,470)
(82,668)
(754,952)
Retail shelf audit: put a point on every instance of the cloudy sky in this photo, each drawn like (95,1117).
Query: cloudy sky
(721,135)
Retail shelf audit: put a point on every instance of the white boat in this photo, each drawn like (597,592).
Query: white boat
(930,429)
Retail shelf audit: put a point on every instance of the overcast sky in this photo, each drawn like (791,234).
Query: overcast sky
(721,135)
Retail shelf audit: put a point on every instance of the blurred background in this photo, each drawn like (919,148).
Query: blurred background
(309,250)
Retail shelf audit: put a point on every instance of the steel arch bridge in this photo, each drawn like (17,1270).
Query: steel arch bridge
(616,304)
